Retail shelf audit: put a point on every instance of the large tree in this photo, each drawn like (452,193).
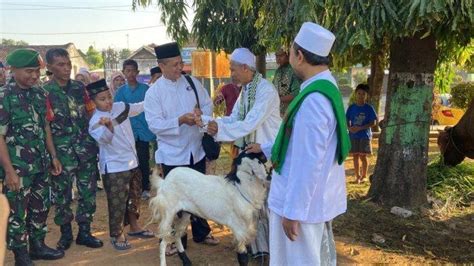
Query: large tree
(217,25)
(94,58)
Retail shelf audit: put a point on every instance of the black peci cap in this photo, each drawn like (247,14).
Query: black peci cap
(167,50)
(97,87)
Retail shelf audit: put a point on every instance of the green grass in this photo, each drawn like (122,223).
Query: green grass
(455,184)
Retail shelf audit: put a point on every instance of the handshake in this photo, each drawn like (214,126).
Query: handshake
(195,118)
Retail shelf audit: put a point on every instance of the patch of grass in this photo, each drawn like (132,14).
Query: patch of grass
(454,184)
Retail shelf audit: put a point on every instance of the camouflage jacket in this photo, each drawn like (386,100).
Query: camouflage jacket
(70,123)
(22,121)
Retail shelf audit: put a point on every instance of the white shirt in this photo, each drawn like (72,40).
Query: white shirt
(263,118)
(311,187)
(116,150)
(165,102)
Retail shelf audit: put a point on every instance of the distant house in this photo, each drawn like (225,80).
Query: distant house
(77,59)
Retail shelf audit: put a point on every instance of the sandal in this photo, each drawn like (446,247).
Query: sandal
(210,240)
(171,250)
(120,244)
(142,234)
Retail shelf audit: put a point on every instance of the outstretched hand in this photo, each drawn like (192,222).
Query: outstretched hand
(253,148)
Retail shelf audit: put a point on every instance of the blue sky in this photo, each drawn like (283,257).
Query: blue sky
(54,18)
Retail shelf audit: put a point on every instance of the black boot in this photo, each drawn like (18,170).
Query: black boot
(66,237)
(85,238)
(39,251)
(21,257)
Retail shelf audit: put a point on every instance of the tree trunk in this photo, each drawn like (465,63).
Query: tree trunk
(400,173)
(377,66)
(261,64)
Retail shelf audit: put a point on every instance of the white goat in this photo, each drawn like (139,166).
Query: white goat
(232,201)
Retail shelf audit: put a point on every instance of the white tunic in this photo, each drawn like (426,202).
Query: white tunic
(263,118)
(116,150)
(165,102)
(311,187)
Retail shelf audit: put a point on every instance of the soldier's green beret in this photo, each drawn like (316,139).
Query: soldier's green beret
(24,57)
(97,87)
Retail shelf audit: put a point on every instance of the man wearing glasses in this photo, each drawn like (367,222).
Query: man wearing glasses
(170,110)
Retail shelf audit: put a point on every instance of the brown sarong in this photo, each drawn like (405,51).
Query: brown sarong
(123,191)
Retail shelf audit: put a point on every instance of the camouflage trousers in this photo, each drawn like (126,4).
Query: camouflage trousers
(85,174)
(123,198)
(29,209)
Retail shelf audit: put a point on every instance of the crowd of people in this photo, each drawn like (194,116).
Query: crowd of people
(76,130)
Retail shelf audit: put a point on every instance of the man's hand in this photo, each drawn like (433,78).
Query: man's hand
(12,181)
(291,228)
(107,122)
(212,128)
(354,129)
(197,117)
(253,148)
(188,119)
(56,167)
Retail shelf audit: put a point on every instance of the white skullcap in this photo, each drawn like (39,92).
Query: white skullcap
(243,56)
(315,39)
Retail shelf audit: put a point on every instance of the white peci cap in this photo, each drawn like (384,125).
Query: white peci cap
(243,56)
(315,39)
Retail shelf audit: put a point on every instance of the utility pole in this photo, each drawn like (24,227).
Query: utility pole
(128,44)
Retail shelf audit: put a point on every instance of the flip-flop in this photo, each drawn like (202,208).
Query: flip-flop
(120,245)
(142,234)
(210,240)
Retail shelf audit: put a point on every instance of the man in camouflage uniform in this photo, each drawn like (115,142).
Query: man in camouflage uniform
(76,150)
(24,138)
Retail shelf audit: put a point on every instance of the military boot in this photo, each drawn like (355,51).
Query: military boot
(39,251)
(85,238)
(66,237)
(21,257)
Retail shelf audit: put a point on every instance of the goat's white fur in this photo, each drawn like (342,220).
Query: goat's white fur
(210,197)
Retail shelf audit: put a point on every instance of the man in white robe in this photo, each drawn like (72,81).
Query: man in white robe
(308,191)
(170,110)
(255,118)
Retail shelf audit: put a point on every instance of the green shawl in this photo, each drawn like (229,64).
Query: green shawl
(330,91)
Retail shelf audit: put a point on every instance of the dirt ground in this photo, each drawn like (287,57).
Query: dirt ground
(422,239)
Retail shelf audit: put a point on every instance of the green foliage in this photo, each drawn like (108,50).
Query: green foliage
(10,42)
(462,94)
(124,53)
(94,58)
(111,58)
(451,183)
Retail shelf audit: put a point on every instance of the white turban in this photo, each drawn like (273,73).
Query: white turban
(315,39)
(243,56)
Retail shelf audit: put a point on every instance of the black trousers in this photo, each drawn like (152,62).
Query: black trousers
(143,153)
(199,226)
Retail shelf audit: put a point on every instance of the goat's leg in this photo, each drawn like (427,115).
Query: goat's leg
(242,256)
(163,244)
(181,225)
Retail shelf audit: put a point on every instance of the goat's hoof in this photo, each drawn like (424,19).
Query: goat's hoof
(243,259)
(184,258)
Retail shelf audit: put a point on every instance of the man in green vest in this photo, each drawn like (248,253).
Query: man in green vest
(308,183)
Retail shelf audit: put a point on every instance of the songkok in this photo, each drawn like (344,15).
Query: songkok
(155,70)
(243,56)
(97,87)
(315,39)
(24,57)
(167,50)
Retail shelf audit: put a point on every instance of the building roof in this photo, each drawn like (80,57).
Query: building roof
(42,49)
(144,52)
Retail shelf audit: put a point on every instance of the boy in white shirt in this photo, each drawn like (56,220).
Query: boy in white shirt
(110,127)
